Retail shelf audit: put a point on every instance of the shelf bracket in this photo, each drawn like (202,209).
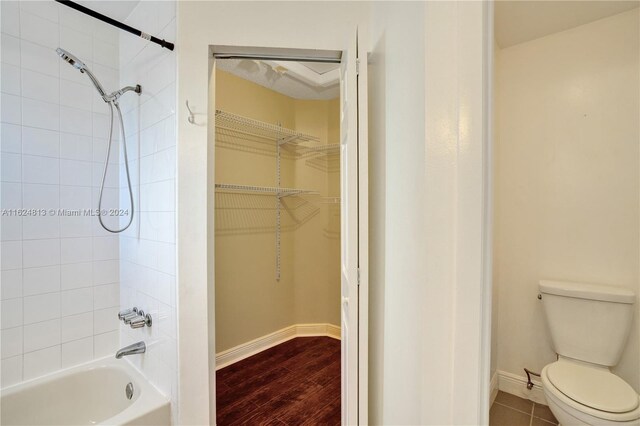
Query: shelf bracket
(287,140)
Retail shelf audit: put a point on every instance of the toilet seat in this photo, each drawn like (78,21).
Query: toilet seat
(570,375)
(594,387)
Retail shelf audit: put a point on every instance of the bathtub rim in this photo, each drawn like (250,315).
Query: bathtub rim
(149,398)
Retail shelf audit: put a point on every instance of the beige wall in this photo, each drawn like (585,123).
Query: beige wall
(250,303)
(567,189)
(317,242)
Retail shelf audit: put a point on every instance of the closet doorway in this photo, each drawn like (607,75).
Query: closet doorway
(290,258)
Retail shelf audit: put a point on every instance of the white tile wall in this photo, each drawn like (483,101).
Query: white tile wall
(77,352)
(40,362)
(60,275)
(147,249)
(41,280)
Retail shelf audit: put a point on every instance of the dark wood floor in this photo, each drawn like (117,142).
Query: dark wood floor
(294,383)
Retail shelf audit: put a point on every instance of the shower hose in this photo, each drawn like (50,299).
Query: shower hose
(113,104)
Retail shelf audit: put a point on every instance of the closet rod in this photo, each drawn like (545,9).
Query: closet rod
(118,24)
(275,58)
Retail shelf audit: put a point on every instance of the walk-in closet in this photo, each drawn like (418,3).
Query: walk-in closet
(277,241)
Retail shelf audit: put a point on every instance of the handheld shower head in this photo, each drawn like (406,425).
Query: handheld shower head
(71,59)
(80,66)
(112,101)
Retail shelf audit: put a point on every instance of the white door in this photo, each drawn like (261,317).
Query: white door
(354,331)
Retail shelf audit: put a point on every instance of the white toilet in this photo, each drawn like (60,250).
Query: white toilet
(589,327)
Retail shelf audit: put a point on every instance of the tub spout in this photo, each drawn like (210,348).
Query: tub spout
(136,348)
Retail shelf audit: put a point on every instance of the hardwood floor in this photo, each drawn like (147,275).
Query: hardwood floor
(294,383)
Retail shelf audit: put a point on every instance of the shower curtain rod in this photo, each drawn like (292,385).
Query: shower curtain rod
(118,24)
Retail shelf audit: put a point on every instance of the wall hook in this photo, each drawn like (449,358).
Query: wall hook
(190,119)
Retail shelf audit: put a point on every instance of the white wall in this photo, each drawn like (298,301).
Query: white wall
(427,127)
(294,24)
(430,366)
(148,247)
(430,289)
(59,285)
(397,143)
(377,217)
(567,171)
(495,299)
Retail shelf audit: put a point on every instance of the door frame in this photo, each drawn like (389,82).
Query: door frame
(363,232)
(295,54)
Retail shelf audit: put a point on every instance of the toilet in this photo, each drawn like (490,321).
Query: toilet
(589,326)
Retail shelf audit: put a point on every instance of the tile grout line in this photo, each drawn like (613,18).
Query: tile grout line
(510,407)
(533,407)
(93,240)
(21,193)
(60,201)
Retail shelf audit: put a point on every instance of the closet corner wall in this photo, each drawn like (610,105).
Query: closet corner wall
(277,236)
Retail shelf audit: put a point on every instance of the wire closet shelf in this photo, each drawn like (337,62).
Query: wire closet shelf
(272,190)
(297,144)
(249,126)
(291,143)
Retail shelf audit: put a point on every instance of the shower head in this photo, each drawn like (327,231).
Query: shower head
(75,62)
(80,66)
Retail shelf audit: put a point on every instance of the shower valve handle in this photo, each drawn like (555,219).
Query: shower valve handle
(128,319)
(127,312)
(141,321)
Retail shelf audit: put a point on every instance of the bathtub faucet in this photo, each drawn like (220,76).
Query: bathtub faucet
(136,348)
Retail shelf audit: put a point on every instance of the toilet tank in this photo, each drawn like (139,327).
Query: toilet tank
(588,322)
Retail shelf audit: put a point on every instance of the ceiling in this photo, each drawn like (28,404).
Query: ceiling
(523,20)
(321,67)
(116,9)
(298,80)
(516,21)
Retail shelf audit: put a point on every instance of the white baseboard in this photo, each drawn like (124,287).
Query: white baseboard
(270,340)
(307,330)
(494,388)
(517,385)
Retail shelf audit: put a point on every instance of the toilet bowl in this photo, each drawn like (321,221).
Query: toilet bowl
(589,326)
(579,394)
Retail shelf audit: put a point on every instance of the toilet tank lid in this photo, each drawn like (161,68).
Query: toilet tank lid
(605,293)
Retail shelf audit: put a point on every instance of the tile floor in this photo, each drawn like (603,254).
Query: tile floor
(510,410)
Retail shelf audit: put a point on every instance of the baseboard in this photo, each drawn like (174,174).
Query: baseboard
(334,331)
(517,385)
(494,388)
(307,330)
(270,340)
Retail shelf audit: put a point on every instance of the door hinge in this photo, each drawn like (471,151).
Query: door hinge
(358,276)
(358,66)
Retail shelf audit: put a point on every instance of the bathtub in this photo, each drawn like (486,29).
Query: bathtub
(93,393)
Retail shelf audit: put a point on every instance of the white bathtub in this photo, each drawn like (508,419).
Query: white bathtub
(92,393)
